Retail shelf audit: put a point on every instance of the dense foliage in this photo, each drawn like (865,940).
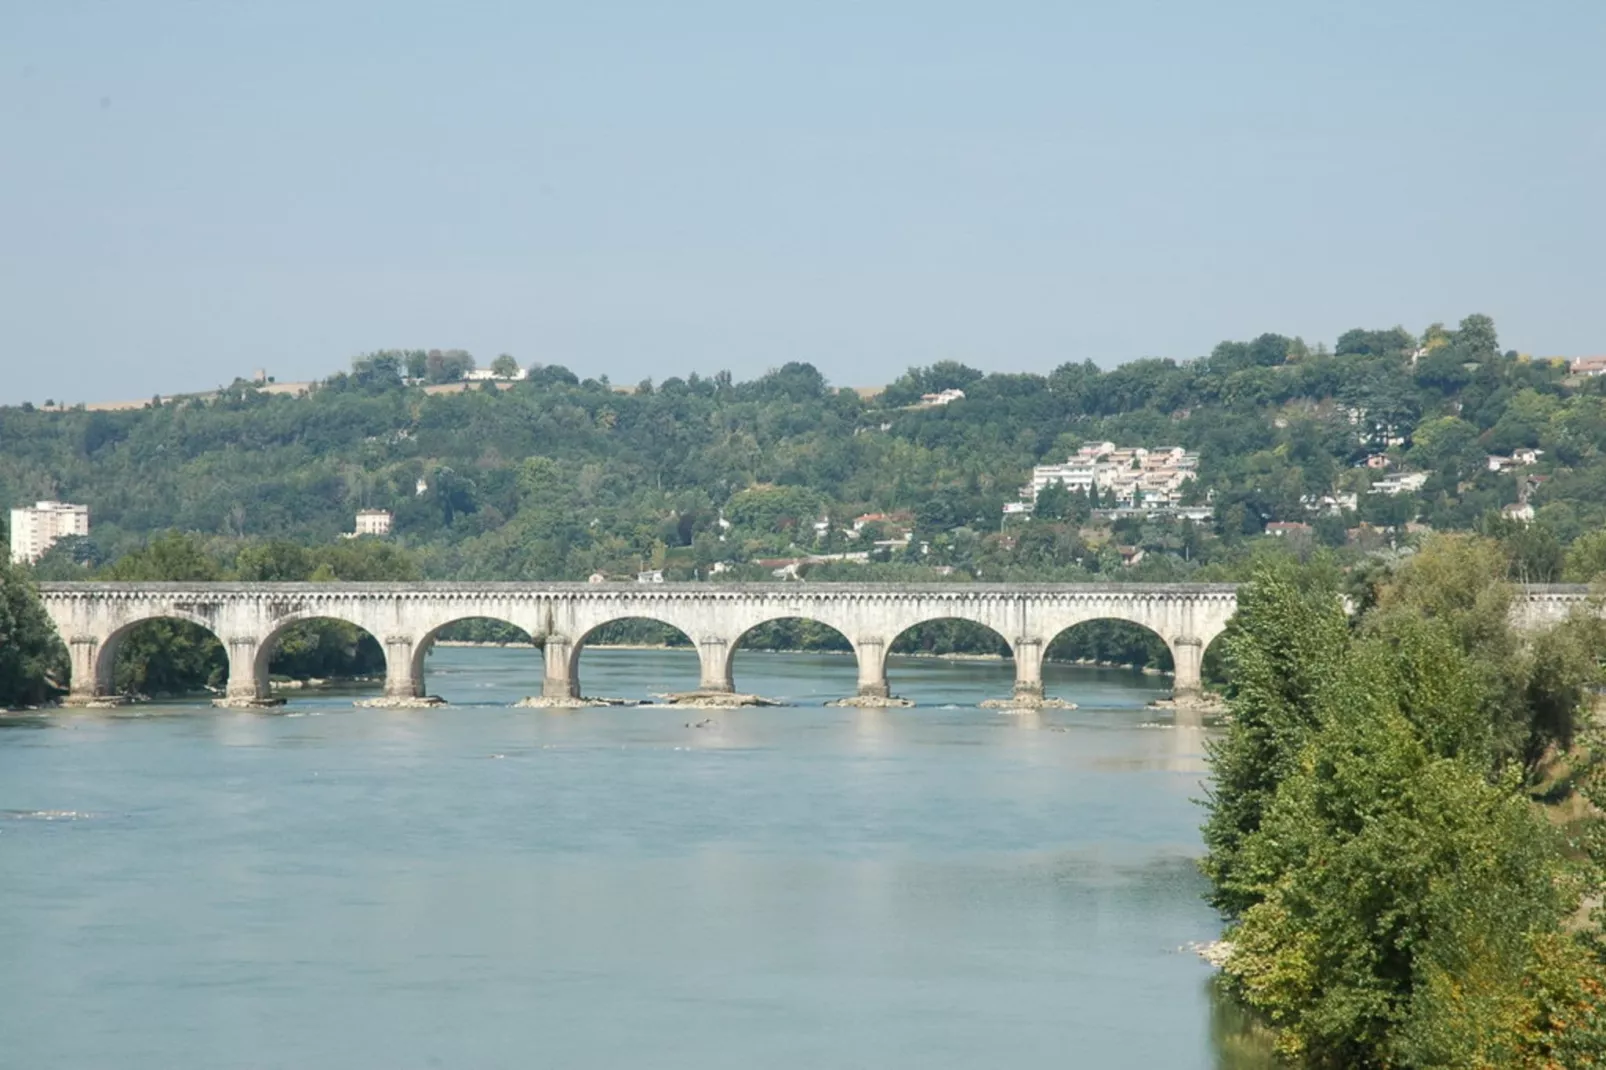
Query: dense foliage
(32,659)
(1397,897)
(553,477)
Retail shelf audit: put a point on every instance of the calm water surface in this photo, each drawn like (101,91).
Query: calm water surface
(479,886)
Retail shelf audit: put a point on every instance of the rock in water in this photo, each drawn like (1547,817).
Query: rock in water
(872,702)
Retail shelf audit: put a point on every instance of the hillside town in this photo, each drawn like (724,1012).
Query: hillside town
(1134,479)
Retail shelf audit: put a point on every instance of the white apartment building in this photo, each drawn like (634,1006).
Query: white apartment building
(36,528)
(373,522)
(1146,478)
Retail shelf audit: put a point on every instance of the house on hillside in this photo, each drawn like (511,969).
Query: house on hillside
(1522,458)
(1399,483)
(1518,511)
(374,522)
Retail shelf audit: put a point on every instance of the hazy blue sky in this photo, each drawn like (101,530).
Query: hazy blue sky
(189,191)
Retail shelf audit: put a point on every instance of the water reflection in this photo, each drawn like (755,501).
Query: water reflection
(1241,1041)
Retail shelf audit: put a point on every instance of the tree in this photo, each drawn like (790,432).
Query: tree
(1397,901)
(1447,444)
(32,657)
(170,556)
(448,366)
(1053,502)
(505,367)
(1394,342)
(69,558)
(1400,892)
(377,371)
(1285,645)
(454,494)
(1477,340)
(1532,691)
(773,510)
(1586,559)
(278,561)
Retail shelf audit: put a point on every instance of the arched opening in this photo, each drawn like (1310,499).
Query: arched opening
(321,653)
(478,659)
(809,665)
(950,661)
(1214,663)
(1108,663)
(634,659)
(162,657)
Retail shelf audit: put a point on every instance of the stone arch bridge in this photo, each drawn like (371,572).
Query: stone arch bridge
(248,618)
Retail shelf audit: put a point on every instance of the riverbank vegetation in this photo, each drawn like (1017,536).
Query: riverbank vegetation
(32,658)
(1398,892)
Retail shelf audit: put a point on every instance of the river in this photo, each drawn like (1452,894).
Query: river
(479,886)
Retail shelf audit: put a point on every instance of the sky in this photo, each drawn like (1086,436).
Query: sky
(190,191)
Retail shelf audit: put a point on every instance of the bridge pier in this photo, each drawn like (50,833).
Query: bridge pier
(1187,658)
(559,680)
(1029,671)
(872,656)
(402,681)
(714,656)
(248,674)
(91,683)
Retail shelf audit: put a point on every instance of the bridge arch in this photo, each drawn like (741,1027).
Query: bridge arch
(782,632)
(100,668)
(474,627)
(1187,620)
(312,643)
(937,636)
(563,656)
(1109,642)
